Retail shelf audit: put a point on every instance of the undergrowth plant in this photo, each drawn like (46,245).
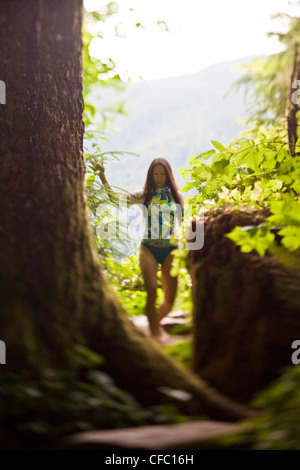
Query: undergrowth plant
(253,171)
(37,412)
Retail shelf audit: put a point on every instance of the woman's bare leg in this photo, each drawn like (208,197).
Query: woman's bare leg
(169,285)
(149,266)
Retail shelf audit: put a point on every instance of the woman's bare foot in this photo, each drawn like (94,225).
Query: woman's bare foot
(162,336)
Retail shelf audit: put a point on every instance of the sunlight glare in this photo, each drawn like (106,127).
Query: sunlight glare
(198,34)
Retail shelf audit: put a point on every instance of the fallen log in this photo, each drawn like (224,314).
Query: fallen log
(246,311)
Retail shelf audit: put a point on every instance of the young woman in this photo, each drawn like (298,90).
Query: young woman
(163,204)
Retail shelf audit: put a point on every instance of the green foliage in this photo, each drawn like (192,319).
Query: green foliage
(123,271)
(252,238)
(96,75)
(39,411)
(287,215)
(96,72)
(183,299)
(278,426)
(260,171)
(182,350)
(126,279)
(267,84)
(103,205)
(267,80)
(255,172)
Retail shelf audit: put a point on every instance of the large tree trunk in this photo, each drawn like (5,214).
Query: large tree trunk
(292,107)
(53,293)
(246,310)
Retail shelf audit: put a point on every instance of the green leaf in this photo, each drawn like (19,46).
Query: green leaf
(285,213)
(291,237)
(270,158)
(251,238)
(249,158)
(218,146)
(205,156)
(296,186)
(218,167)
(90,180)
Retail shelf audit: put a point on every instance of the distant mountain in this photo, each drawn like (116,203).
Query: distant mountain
(175,118)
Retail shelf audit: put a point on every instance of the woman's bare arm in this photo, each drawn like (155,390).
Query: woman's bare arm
(99,168)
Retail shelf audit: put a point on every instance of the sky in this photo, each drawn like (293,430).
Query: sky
(200,33)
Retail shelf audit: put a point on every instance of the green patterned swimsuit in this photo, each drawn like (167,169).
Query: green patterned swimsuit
(160,218)
(159,230)
(160,224)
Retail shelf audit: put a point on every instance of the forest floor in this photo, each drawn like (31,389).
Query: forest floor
(176,320)
(195,434)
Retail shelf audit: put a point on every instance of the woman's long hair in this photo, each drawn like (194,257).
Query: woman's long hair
(149,187)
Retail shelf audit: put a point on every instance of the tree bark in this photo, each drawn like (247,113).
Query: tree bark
(292,105)
(246,310)
(53,293)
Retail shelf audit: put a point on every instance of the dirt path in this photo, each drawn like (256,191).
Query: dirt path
(168,323)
